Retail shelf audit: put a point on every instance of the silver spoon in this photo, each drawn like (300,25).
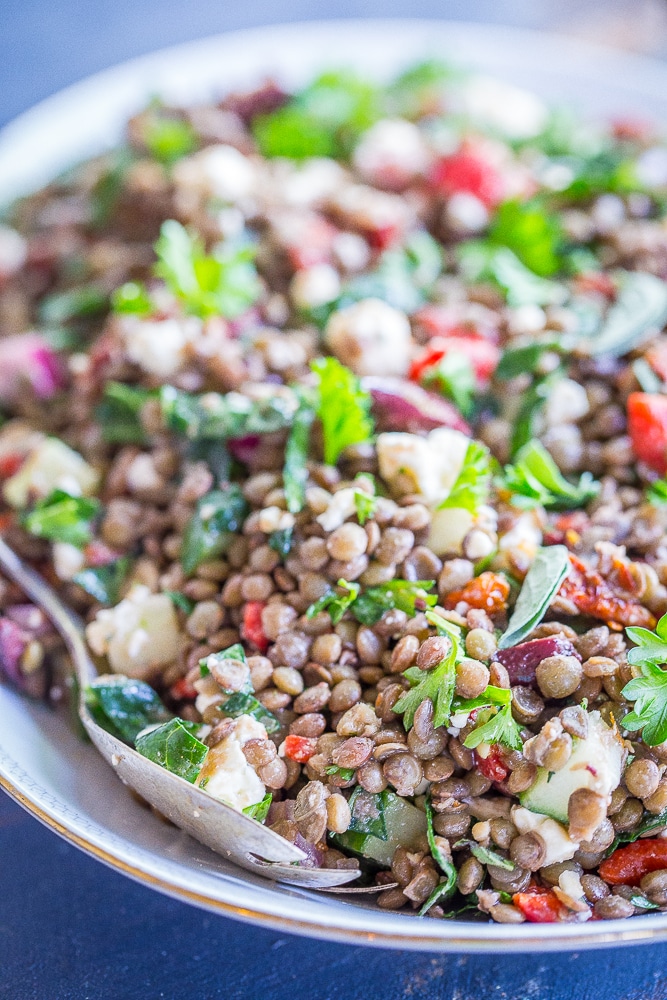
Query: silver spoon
(237,837)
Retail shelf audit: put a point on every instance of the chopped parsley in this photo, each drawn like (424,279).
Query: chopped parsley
(437,684)
(532,233)
(61,517)
(535,479)
(125,706)
(454,377)
(471,489)
(167,137)
(343,408)
(365,502)
(335,604)
(656,493)
(496,724)
(224,283)
(649,691)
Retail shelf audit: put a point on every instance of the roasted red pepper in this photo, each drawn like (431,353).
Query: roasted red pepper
(594,596)
(252,630)
(299,748)
(628,865)
(183,690)
(487,592)
(468,172)
(647,427)
(492,767)
(539,906)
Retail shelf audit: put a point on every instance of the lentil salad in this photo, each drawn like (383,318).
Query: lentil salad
(168,464)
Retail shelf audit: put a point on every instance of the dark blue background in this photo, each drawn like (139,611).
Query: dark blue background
(71,929)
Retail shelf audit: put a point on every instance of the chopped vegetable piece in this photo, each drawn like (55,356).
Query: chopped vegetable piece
(105,583)
(224,283)
(241,703)
(367,811)
(542,583)
(534,479)
(300,748)
(259,810)
(539,907)
(628,865)
(252,629)
(119,413)
(647,427)
(217,517)
(594,596)
(471,489)
(125,706)
(62,518)
(343,408)
(487,592)
(173,747)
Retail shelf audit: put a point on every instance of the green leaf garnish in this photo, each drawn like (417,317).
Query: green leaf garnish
(74,304)
(343,407)
(540,586)
(533,234)
(241,703)
(471,489)
(213,416)
(535,479)
(131,299)
(640,308)
(217,517)
(524,359)
(437,684)
(281,541)
(222,284)
(649,691)
(368,813)
(62,517)
(295,470)
(453,377)
(500,727)
(345,773)
(168,138)
(530,407)
(173,747)
(485,855)
(501,267)
(656,493)
(335,604)
(409,596)
(119,413)
(365,503)
(125,706)
(105,583)
(259,810)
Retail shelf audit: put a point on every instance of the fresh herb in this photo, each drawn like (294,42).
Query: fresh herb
(447,887)
(484,855)
(217,517)
(343,408)
(648,825)
(406,595)
(368,813)
(335,604)
(131,299)
(418,91)
(105,583)
(125,706)
(222,284)
(639,310)
(168,138)
(534,235)
(344,773)
(501,267)
(365,502)
(437,684)
(656,493)
(649,691)
(281,541)
(324,119)
(542,583)
(642,902)
(173,747)
(76,303)
(62,517)
(295,470)
(525,359)
(403,278)
(213,416)
(535,479)
(235,652)
(259,810)
(531,405)
(496,725)
(106,192)
(454,378)
(471,489)
(241,703)
(119,413)
(180,601)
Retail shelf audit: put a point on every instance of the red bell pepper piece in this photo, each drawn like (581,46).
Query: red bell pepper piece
(539,906)
(628,865)
(492,767)
(482,355)
(252,630)
(10,464)
(299,748)
(182,690)
(468,173)
(647,427)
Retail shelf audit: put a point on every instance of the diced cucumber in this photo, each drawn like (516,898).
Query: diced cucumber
(595,763)
(406,827)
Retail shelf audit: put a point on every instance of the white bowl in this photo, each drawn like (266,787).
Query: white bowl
(43,764)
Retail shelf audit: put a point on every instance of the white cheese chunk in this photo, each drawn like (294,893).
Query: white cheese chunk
(139,635)
(555,836)
(158,346)
(371,338)
(427,465)
(219,171)
(391,153)
(226,774)
(50,465)
(67,560)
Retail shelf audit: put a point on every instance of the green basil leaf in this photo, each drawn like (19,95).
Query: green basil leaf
(173,747)
(639,311)
(119,413)
(259,810)
(217,517)
(105,583)
(241,703)
(62,517)
(367,812)
(542,583)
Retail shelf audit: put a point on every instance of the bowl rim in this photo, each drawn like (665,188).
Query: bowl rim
(62,128)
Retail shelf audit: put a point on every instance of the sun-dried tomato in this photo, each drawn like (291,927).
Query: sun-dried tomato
(594,596)
(183,690)
(487,592)
(628,865)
